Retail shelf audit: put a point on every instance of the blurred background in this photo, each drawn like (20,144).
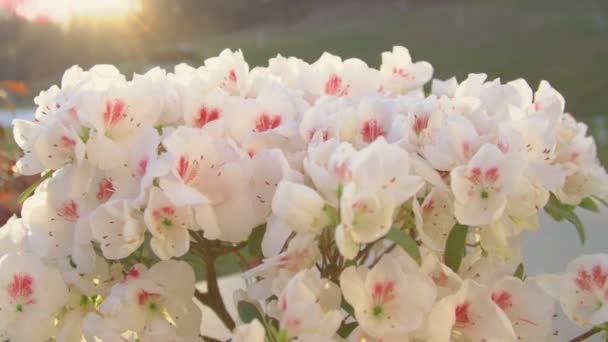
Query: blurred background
(563,41)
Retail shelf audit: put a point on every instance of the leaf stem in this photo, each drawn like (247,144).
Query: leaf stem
(586,334)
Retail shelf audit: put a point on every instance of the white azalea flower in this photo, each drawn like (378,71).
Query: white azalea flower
(435,218)
(400,75)
(169,225)
(469,315)
(310,306)
(228,71)
(163,292)
(331,76)
(31,295)
(380,181)
(116,116)
(582,290)
(528,307)
(482,186)
(387,301)
(119,228)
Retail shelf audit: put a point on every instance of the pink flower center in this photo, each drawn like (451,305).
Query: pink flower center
(462,313)
(383,291)
(67,141)
(142,166)
(133,273)
(187,171)
(21,286)
(503,146)
(206,115)
(164,216)
(267,121)
(485,180)
(420,123)
(147,298)
(105,190)
(574,157)
(585,281)
(333,86)
(402,72)
(20,290)
(467,150)
(324,133)
(502,299)
(115,111)
(429,206)
(371,130)
(440,278)
(69,211)
(232,76)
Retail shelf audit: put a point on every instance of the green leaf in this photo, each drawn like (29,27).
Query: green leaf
(248,312)
(601,200)
(406,242)
(85,134)
(347,307)
(455,246)
(282,336)
(519,271)
(332,215)
(254,245)
(340,190)
(560,211)
(589,204)
(30,189)
(347,329)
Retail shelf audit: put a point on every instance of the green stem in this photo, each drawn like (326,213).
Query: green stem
(586,334)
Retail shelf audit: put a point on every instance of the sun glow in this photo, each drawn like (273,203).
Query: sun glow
(64,11)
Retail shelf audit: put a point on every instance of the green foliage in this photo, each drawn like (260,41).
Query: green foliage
(248,312)
(332,215)
(281,336)
(403,240)
(347,307)
(520,272)
(455,247)
(601,200)
(347,329)
(254,245)
(560,211)
(589,204)
(30,189)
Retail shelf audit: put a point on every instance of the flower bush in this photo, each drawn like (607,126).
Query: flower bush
(358,207)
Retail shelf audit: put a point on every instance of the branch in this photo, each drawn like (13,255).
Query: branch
(209,339)
(586,334)
(212,298)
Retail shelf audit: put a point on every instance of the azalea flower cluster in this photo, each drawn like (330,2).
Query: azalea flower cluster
(359,206)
